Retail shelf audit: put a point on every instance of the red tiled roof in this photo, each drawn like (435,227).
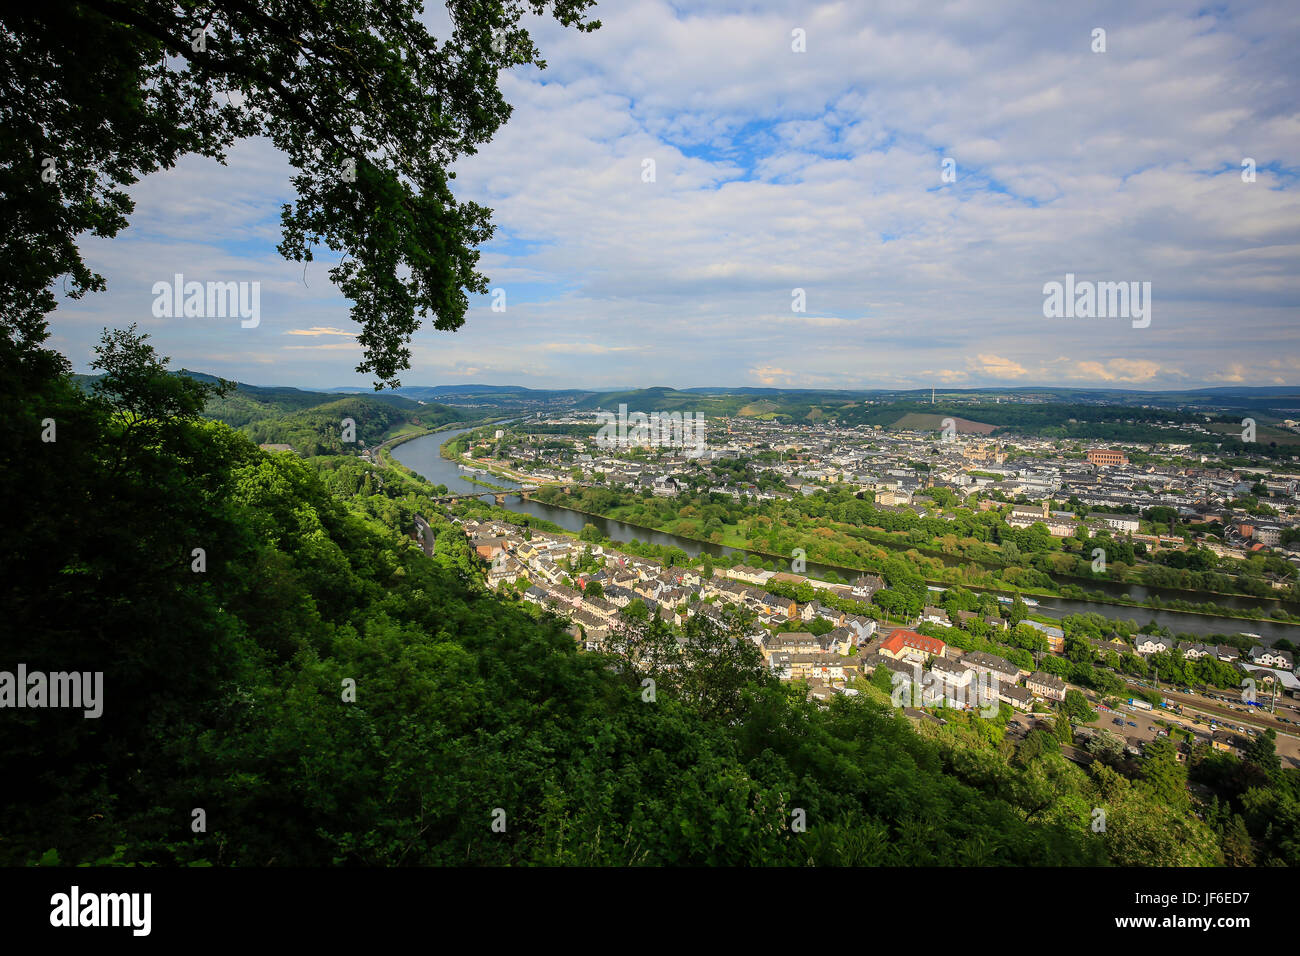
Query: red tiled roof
(901,637)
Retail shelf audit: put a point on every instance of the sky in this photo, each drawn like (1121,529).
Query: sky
(816,174)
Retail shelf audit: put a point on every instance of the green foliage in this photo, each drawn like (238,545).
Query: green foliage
(369,108)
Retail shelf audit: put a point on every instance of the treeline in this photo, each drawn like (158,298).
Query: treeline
(1071,419)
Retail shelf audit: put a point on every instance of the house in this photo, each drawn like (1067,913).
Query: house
(488,548)
(619,596)
(504,572)
(1271,677)
(866,585)
(829,614)
(780,666)
(665,486)
(1046,685)
(1224,740)
(841,640)
(1055,636)
(747,574)
(1003,670)
(954,681)
(1022,516)
(935,615)
(1227,653)
(791,642)
(1153,645)
(778,606)
(1267,657)
(904,643)
(1059,524)
(1021,698)
(1194,652)
(862,627)
(824,667)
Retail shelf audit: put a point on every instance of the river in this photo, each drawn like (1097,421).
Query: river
(423,456)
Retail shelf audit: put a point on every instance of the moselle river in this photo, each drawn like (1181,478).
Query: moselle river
(423,455)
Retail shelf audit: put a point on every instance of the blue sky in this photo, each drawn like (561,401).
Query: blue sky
(778,170)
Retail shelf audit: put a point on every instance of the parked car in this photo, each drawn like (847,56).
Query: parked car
(1131,724)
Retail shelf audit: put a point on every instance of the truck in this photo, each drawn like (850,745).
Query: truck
(1139,704)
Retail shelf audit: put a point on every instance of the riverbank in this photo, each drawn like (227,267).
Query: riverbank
(1062,591)
(426,459)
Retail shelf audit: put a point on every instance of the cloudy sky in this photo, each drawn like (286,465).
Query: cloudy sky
(819,170)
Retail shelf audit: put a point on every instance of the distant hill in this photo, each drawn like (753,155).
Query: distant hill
(311,422)
(505,397)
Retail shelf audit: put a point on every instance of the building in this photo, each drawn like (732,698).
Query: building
(1021,698)
(935,615)
(998,667)
(1115,522)
(1107,457)
(1046,685)
(1267,657)
(1153,645)
(1054,635)
(866,585)
(1023,516)
(904,643)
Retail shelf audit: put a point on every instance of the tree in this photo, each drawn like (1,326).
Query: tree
(1076,706)
(1062,729)
(1162,772)
(1018,612)
(370,109)
(882,679)
(1262,752)
(145,398)
(1036,744)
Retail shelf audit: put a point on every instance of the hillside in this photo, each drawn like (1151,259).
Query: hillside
(311,422)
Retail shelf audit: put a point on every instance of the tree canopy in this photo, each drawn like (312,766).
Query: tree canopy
(369,107)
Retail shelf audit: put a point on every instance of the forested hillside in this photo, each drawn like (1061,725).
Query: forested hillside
(311,422)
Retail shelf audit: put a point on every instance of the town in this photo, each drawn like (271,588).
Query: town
(837,635)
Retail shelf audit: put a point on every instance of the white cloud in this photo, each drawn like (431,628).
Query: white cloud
(821,170)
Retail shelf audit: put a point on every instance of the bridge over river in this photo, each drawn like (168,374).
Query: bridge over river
(523,491)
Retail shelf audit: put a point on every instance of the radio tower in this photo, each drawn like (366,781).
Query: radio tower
(931,394)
